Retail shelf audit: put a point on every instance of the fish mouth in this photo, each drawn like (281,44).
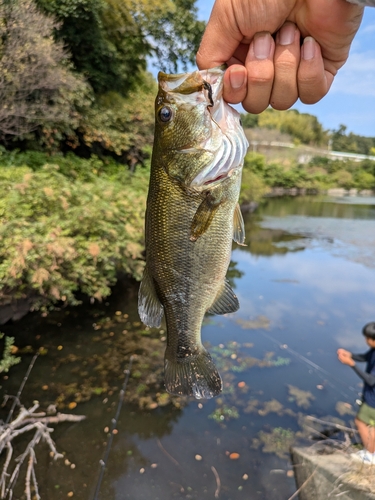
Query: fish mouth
(228,148)
(226,143)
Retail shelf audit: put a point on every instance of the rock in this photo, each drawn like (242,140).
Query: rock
(331,475)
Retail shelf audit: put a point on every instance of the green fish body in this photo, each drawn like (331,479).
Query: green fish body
(192,216)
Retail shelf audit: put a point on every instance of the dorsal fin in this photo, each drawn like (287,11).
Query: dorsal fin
(225,302)
(238,226)
(150,308)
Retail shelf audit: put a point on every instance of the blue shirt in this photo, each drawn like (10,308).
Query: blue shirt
(368,376)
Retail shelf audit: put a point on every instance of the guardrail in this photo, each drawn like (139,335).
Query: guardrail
(340,155)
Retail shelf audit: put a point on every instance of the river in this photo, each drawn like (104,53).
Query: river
(306,285)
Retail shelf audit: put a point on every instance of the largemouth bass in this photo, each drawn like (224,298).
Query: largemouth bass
(192,216)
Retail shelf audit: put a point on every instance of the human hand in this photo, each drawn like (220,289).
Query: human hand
(263,70)
(345,357)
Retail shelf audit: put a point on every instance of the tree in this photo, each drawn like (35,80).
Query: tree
(302,126)
(36,86)
(353,143)
(110,40)
(249,120)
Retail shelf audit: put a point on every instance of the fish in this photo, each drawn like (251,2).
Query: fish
(192,216)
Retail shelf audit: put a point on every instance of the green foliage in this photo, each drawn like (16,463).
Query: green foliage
(343,179)
(37,89)
(364,179)
(249,120)
(302,126)
(8,359)
(94,55)
(110,39)
(224,412)
(353,143)
(344,173)
(176,32)
(320,173)
(123,127)
(60,236)
(253,187)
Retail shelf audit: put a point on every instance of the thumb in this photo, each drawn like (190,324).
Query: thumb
(219,42)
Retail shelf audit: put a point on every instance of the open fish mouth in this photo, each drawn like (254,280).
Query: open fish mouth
(226,141)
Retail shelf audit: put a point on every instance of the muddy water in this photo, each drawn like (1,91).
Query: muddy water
(306,284)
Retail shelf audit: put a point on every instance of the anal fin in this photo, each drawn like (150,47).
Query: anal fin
(150,308)
(225,302)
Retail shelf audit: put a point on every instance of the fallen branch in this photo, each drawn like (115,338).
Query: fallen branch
(166,453)
(218,483)
(331,424)
(27,420)
(295,494)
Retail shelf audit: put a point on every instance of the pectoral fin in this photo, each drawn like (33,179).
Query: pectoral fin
(238,226)
(150,308)
(225,302)
(203,216)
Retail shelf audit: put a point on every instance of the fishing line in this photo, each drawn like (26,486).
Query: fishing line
(320,371)
(114,421)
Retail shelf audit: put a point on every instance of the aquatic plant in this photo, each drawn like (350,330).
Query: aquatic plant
(278,441)
(301,398)
(224,412)
(8,358)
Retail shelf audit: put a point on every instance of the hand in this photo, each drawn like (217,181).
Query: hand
(264,70)
(345,357)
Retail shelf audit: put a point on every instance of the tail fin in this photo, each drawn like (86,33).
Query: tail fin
(192,376)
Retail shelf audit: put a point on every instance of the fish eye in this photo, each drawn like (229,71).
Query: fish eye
(165,114)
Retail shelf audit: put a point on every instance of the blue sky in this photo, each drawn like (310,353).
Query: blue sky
(351,100)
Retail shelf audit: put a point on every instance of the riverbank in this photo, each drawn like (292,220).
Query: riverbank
(70,225)
(321,471)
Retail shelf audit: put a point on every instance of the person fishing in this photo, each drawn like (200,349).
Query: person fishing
(260,40)
(365,419)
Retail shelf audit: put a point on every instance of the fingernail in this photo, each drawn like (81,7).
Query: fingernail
(262,45)
(308,48)
(237,79)
(286,34)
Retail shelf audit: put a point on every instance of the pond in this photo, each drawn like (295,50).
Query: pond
(306,285)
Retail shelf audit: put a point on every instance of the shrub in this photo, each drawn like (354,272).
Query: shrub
(60,235)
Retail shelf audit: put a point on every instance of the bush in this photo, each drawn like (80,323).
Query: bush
(364,180)
(343,179)
(253,188)
(60,235)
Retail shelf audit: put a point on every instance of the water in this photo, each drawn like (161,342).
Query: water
(306,284)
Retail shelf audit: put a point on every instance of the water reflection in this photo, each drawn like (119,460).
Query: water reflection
(300,300)
(264,241)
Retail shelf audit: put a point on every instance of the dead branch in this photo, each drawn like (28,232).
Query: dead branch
(166,453)
(218,483)
(28,420)
(295,494)
(331,424)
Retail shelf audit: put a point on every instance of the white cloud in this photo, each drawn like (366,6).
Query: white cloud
(357,76)
(368,29)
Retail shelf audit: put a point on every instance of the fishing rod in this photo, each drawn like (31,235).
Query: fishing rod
(313,365)
(103,462)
